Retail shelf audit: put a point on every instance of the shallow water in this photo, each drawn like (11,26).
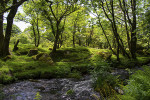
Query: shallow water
(53,89)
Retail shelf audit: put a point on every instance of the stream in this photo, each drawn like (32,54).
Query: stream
(58,89)
(53,89)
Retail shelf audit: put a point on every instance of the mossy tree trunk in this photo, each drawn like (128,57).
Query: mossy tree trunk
(10,18)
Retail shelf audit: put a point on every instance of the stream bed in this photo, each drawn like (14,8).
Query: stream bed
(52,89)
(58,89)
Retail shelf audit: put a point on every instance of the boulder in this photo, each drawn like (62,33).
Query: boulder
(44,57)
(105,55)
(33,52)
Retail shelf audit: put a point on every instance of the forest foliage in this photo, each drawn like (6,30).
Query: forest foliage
(71,38)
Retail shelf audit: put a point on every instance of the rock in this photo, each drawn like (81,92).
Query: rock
(123,74)
(33,52)
(105,55)
(120,91)
(44,57)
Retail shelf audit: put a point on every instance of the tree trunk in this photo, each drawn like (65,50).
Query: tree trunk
(1,28)
(34,33)
(133,33)
(123,8)
(10,18)
(55,43)
(1,34)
(74,32)
(105,36)
(37,26)
(114,27)
(74,39)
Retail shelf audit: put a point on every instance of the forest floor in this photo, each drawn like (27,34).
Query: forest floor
(65,63)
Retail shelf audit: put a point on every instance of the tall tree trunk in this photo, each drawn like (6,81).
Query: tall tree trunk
(123,8)
(105,35)
(114,27)
(74,32)
(37,26)
(133,33)
(10,18)
(1,34)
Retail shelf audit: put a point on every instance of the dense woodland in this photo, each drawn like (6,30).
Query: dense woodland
(73,38)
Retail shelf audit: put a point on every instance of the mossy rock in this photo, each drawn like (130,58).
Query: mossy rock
(105,55)
(44,57)
(32,52)
(39,55)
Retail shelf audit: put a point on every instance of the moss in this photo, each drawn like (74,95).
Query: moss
(75,74)
(105,55)
(71,54)
(47,59)
(129,63)
(70,92)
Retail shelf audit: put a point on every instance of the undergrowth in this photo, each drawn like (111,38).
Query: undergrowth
(138,87)
(73,63)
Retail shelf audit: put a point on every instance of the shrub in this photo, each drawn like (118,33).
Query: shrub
(104,82)
(138,87)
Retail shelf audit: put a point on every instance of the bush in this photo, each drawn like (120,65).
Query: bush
(138,87)
(104,82)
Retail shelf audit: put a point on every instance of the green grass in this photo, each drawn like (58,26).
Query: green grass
(67,63)
(73,65)
(129,63)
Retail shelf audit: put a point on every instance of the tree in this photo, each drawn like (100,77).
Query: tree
(56,12)
(76,20)
(4,40)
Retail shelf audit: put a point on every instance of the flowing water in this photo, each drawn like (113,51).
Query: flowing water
(53,89)
(57,89)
